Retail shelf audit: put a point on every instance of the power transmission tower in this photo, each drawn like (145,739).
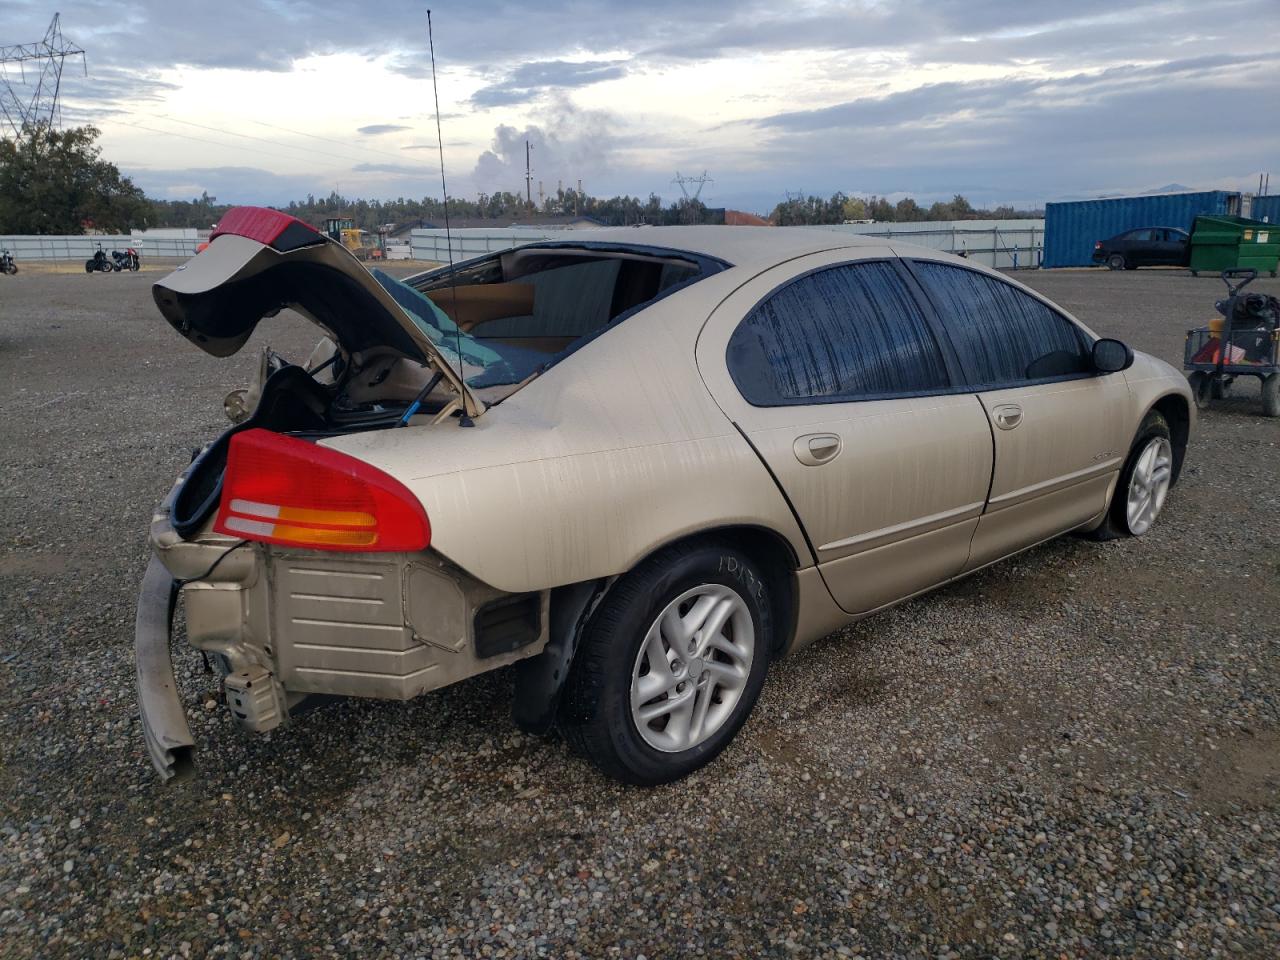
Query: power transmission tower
(686,182)
(40,107)
(688,210)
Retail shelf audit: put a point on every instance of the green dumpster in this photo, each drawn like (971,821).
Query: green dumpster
(1228,243)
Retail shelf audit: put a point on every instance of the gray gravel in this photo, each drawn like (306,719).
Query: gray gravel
(1074,754)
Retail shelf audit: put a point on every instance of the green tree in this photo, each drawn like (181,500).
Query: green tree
(854,209)
(55,181)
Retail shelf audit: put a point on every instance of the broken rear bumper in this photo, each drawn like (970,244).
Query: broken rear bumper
(164,722)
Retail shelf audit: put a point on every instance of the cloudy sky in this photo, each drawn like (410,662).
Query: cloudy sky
(1016,102)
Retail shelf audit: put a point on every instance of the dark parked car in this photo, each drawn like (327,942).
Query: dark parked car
(1144,247)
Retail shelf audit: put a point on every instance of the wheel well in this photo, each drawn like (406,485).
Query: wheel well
(540,680)
(1177,414)
(777,558)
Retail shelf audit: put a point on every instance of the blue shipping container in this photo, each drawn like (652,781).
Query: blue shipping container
(1072,228)
(1267,208)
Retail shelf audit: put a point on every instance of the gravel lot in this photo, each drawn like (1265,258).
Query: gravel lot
(1074,754)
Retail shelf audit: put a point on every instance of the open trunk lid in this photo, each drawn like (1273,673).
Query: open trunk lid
(261,261)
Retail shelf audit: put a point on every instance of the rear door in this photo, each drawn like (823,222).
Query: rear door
(1058,426)
(833,372)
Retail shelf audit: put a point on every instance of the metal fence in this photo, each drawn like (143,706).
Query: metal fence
(1004,244)
(474,242)
(83,247)
(996,243)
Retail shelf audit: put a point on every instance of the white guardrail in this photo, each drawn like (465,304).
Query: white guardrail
(83,247)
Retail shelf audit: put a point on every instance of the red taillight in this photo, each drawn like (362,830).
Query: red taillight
(277,230)
(1097,244)
(278,489)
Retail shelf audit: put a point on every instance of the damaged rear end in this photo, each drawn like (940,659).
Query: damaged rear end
(304,570)
(305,566)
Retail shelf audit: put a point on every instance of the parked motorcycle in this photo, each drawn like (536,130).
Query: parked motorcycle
(6,263)
(99,262)
(126,260)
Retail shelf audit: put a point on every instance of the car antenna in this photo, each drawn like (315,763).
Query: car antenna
(464,420)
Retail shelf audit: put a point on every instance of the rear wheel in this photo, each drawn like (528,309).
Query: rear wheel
(1116,262)
(671,664)
(1271,395)
(1144,482)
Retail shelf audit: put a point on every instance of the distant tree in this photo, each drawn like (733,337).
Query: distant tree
(881,210)
(907,211)
(854,209)
(55,181)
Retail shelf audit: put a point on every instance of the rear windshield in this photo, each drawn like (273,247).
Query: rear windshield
(514,314)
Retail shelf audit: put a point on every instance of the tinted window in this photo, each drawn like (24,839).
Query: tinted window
(1002,334)
(840,333)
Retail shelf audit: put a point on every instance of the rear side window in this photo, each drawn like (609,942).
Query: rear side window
(1002,334)
(842,333)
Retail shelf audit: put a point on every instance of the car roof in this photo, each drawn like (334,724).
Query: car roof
(740,246)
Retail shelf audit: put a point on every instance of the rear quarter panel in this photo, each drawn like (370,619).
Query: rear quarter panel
(612,453)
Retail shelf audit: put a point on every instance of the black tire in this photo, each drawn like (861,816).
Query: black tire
(1116,262)
(13,269)
(1201,384)
(596,717)
(88,266)
(1220,387)
(1271,395)
(1116,524)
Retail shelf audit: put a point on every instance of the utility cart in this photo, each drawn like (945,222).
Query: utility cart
(1244,343)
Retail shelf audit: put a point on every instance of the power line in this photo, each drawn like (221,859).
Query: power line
(216,143)
(315,136)
(248,136)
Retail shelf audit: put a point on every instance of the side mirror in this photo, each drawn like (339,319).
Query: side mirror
(1111,356)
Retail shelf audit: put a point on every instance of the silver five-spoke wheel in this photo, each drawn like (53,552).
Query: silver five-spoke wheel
(1149,485)
(692,668)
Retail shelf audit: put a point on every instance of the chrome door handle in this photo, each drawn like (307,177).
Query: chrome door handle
(815,449)
(1007,415)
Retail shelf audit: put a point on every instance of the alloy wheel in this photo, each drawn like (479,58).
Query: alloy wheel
(1149,485)
(692,668)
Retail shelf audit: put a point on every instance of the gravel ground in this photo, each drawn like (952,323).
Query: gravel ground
(1074,754)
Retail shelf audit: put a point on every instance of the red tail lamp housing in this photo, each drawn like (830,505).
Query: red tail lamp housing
(277,230)
(279,489)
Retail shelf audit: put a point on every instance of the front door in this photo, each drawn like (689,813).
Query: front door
(832,371)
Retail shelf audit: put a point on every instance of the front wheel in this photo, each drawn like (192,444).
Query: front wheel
(89,266)
(671,664)
(12,269)
(1201,384)
(1144,482)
